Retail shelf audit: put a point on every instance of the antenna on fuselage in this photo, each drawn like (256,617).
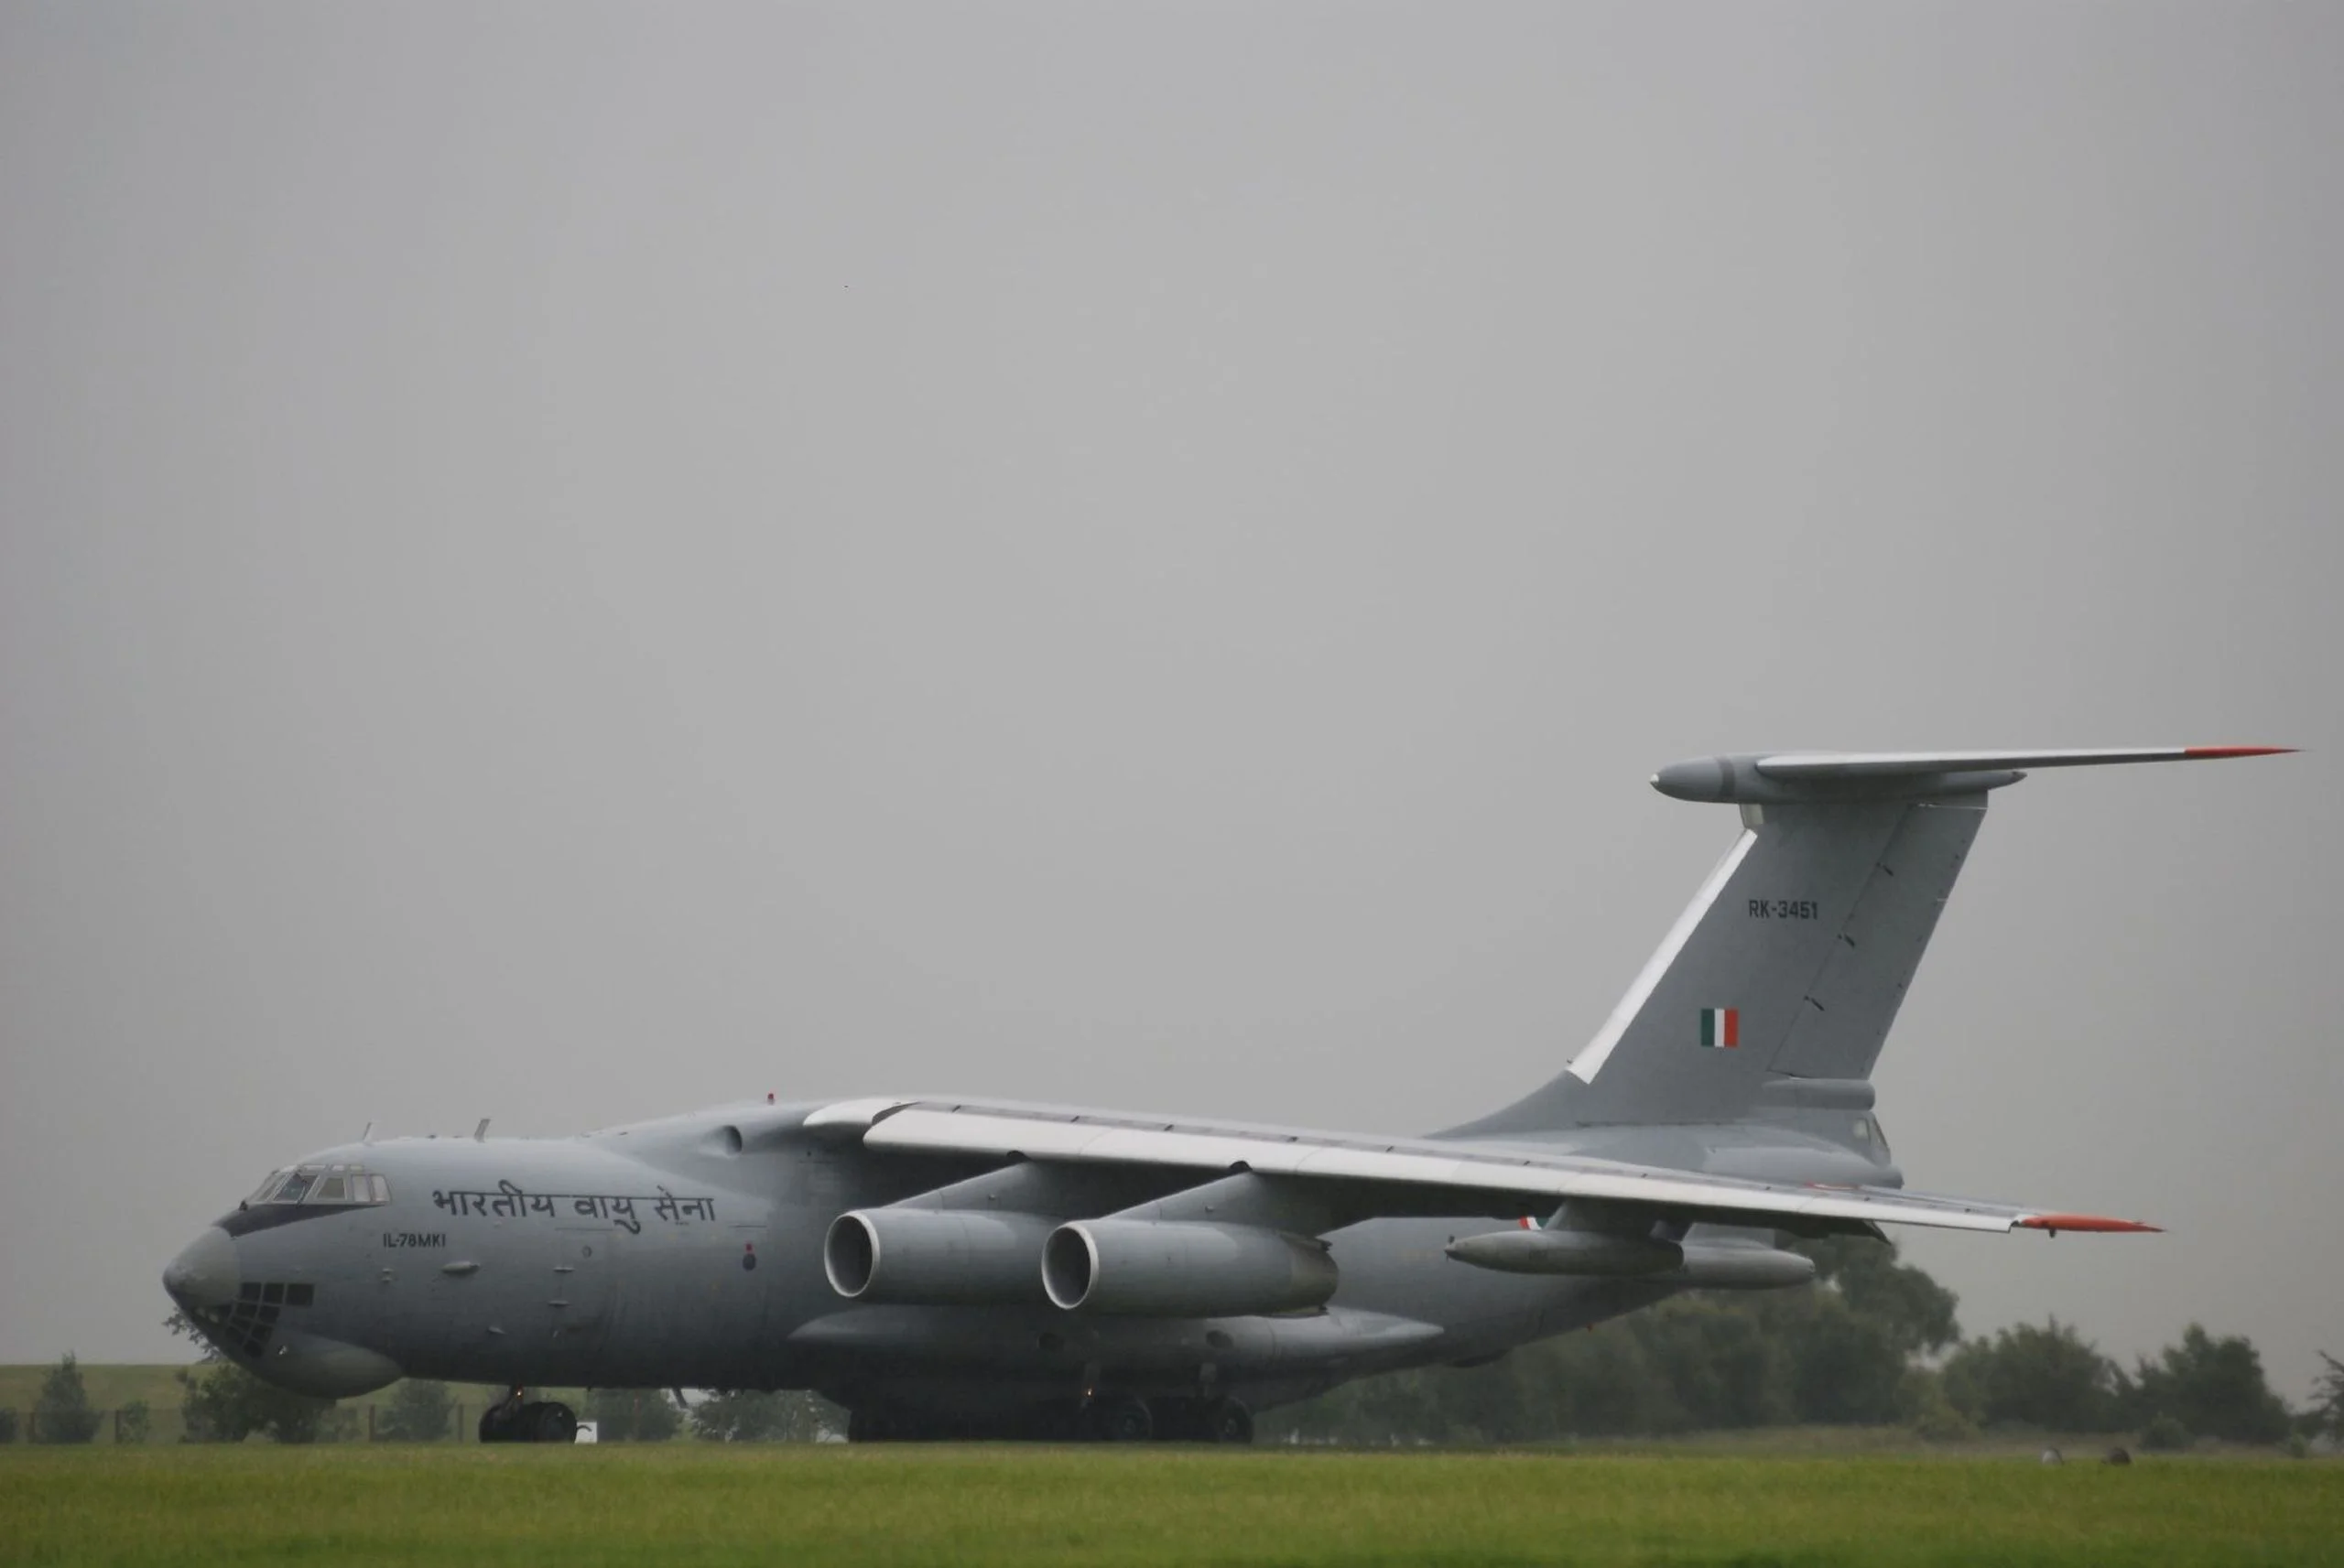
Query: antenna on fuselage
(480,1133)
(367,1136)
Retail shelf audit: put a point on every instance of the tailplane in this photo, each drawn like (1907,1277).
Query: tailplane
(1792,959)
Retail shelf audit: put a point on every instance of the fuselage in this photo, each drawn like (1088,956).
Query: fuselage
(687,1253)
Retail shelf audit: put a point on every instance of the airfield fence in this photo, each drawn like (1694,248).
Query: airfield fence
(131,1423)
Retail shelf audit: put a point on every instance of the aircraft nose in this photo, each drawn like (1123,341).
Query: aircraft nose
(205,1274)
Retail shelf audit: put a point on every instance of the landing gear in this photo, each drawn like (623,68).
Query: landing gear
(1225,1420)
(515,1420)
(1202,1421)
(1123,1419)
(552,1423)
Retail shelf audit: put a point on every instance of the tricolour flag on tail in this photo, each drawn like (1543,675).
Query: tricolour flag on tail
(1721,1028)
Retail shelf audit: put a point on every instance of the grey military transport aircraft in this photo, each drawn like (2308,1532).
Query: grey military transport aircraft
(949,1266)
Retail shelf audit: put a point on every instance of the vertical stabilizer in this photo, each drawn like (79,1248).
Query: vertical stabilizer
(1794,956)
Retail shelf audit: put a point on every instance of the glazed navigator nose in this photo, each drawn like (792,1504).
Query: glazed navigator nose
(205,1274)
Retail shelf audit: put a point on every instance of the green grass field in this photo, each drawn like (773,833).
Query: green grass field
(688,1504)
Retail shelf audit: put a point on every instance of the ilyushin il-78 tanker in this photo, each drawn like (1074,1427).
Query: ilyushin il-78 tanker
(942,1265)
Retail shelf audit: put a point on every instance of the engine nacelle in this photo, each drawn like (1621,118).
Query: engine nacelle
(1138,1268)
(935,1257)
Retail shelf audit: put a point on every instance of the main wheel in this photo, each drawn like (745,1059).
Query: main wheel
(1227,1420)
(506,1422)
(1124,1420)
(552,1423)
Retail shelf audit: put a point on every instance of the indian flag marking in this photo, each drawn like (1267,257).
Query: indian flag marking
(1721,1028)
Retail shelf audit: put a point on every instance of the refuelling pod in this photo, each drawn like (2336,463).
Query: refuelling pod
(1143,1269)
(930,1257)
(1566,1252)
(1726,1266)
(1711,1265)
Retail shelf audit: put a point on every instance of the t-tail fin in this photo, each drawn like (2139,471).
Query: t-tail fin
(1793,957)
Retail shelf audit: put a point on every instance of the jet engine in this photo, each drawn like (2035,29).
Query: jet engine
(1148,1268)
(934,1257)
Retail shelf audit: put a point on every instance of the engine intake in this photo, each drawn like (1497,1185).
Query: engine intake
(934,1257)
(1135,1268)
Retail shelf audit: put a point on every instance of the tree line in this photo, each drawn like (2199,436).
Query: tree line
(1874,1343)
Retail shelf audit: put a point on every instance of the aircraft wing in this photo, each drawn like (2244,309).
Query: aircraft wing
(1385,1175)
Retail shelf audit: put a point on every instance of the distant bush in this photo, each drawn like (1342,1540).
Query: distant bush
(1921,1399)
(746,1417)
(2327,1411)
(7,1426)
(633,1415)
(2165,1436)
(133,1422)
(225,1403)
(2050,1377)
(2213,1387)
(419,1411)
(63,1413)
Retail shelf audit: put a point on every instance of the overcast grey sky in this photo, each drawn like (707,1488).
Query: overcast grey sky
(571,562)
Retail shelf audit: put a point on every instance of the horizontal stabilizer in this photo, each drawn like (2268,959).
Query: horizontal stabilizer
(1828,775)
(1897,764)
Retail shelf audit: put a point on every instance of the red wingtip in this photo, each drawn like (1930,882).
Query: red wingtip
(2083,1222)
(2199,753)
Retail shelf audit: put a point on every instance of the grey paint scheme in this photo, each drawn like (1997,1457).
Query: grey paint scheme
(1851,869)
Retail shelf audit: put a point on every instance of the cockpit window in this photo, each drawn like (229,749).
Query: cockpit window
(322,1186)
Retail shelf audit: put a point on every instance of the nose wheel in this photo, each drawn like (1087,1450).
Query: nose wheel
(515,1420)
